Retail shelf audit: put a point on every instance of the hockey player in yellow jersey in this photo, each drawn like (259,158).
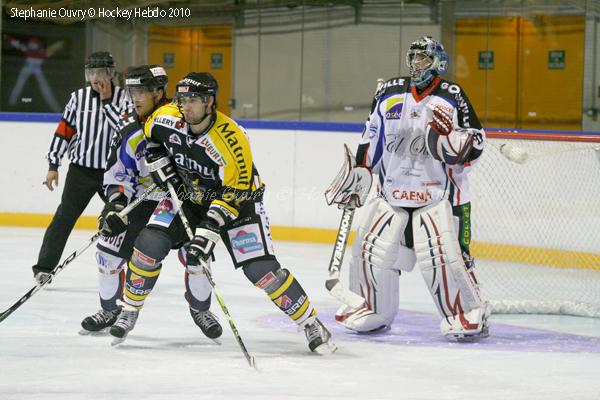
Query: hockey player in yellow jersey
(126,177)
(206,156)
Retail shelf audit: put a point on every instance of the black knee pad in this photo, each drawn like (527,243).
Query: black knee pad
(266,274)
(151,247)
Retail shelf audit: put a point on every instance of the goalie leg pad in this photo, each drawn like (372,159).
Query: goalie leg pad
(377,255)
(283,290)
(454,290)
(110,279)
(381,286)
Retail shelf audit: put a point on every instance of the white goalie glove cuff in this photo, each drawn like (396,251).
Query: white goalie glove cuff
(352,184)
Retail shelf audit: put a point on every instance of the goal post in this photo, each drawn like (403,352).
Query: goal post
(536,222)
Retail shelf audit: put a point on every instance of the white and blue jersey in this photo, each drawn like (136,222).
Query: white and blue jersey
(126,170)
(393,143)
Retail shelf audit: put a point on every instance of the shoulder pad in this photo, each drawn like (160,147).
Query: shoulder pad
(226,125)
(448,89)
(392,85)
(168,116)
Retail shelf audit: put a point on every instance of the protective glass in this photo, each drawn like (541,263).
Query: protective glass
(191,100)
(138,93)
(92,74)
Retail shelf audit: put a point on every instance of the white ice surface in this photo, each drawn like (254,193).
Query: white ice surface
(166,357)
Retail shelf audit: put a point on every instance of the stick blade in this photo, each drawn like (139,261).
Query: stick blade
(344,295)
(4,315)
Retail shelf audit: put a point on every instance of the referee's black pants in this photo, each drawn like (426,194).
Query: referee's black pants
(80,186)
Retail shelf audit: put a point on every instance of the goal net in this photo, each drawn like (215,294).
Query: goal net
(536,223)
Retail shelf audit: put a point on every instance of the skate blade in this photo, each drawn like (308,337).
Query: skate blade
(326,348)
(252,363)
(101,332)
(117,341)
(217,341)
(470,338)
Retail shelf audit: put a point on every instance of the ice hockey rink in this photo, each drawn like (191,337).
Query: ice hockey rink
(42,356)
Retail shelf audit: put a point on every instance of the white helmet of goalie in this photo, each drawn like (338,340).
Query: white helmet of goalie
(451,148)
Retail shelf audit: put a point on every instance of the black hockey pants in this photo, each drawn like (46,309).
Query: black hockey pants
(79,187)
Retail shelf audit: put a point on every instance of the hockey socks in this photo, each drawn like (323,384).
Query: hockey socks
(291,298)
(138,284)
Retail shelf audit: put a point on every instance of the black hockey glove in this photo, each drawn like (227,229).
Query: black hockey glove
(110,222)
(200,248)
(162,170)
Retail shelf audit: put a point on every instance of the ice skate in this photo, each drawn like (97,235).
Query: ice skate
(99,322)
(208,324)
(452,329)
(319,338)
(125,324)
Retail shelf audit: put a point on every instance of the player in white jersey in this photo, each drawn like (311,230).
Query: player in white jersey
(421,139)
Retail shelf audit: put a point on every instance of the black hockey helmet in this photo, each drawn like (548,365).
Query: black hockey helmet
(100,59)
(197,84)
(146,76)
(98,63)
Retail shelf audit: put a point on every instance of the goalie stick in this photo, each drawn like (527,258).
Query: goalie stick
(71,257)
(333,284)
(188,229)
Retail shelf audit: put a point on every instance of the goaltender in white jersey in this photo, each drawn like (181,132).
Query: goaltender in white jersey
(421,139)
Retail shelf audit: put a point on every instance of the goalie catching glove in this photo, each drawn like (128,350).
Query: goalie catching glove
(446,143)
(351,186)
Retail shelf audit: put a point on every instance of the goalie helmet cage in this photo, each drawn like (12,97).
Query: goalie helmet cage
(536,222)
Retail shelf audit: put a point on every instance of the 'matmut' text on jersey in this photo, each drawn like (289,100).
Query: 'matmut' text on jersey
(394,141)
(216,166)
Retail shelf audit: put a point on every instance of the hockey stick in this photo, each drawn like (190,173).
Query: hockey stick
(333,284)
(71,257)
(188,229)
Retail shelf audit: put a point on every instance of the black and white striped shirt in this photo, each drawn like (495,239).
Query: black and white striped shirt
(87,126)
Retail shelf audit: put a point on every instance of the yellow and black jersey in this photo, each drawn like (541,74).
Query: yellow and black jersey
(216,166)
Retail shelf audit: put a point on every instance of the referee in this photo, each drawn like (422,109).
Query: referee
(84,132)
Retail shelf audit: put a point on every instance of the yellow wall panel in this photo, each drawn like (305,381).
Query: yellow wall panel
(192,49)
(177,41)
(493,92)
(521,91)
(217,40)
(552,98)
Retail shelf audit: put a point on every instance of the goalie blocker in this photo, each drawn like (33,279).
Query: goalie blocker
(381,251)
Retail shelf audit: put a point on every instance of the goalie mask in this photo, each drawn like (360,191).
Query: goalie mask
(425,59)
